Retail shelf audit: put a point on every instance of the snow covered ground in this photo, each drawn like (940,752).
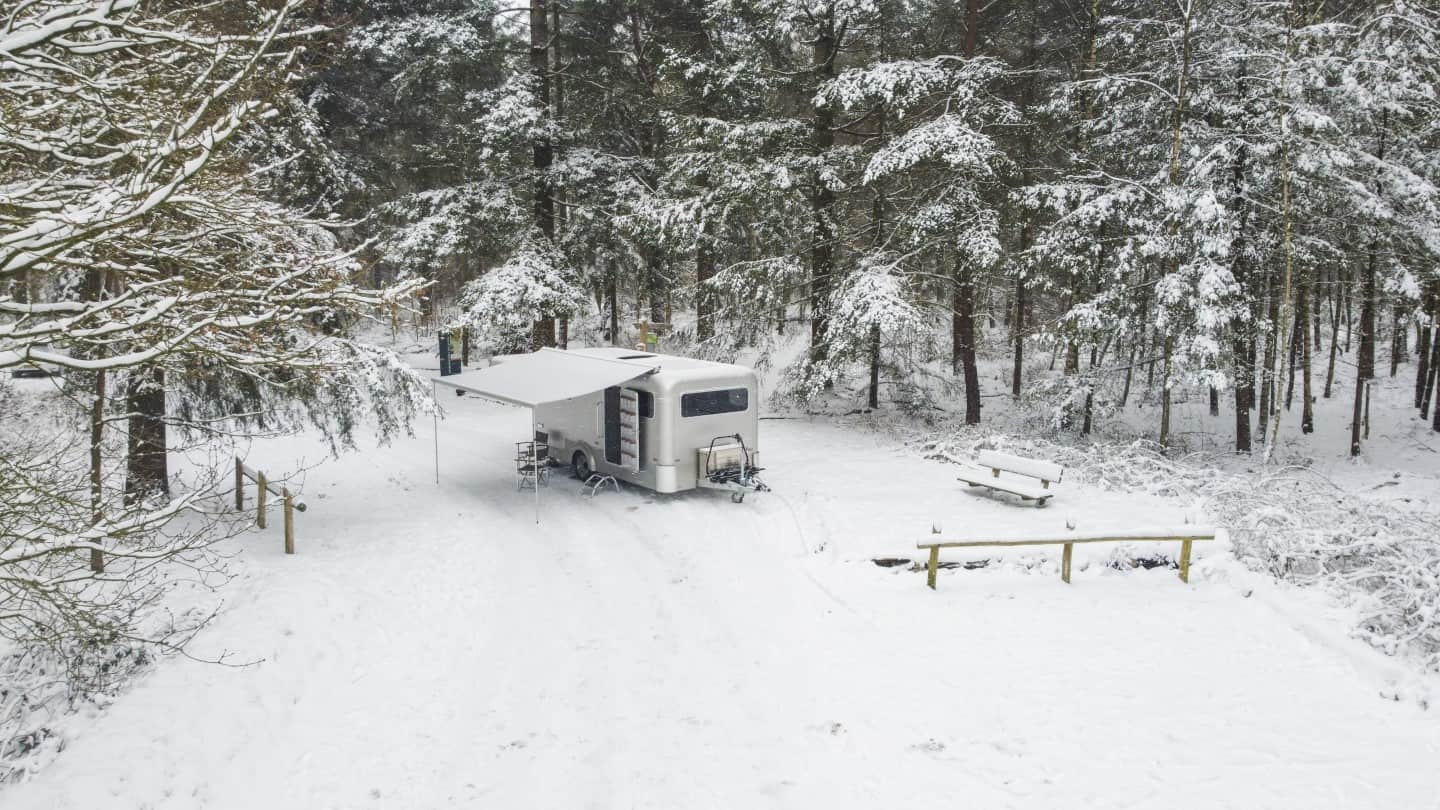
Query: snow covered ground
(431,646)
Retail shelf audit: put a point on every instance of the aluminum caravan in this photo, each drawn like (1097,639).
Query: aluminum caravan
(679,424)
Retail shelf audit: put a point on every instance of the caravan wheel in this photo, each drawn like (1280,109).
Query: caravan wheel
(580,465)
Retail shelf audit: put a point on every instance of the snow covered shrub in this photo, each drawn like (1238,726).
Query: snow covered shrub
(40,686)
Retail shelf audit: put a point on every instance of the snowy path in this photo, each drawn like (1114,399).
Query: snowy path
(428,647)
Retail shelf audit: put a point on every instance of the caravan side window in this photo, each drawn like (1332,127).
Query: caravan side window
(705,403)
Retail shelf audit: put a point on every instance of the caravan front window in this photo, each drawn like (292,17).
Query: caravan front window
(704,403)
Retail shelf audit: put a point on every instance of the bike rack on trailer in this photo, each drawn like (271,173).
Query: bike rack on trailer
(739,479)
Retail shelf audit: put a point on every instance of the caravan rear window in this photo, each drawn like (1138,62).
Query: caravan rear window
(704,403)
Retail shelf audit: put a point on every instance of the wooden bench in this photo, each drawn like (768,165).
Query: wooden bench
(1185,535)
(990,464)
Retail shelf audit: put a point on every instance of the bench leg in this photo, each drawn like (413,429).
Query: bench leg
(1065,562)
(1185,560)
(933,567)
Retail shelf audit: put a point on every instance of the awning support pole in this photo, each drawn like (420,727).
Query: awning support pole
(435,415)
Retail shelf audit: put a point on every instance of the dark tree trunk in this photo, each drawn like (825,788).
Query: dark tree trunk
(1334,345)
(1267,373)
(1397,342)
(874,398)
(963,323)
(1089,420)
(655,283)
(543,333)
(612,303)
(1430,308)
(822,198)
(704,271)
(1366,361)
(877,216)
(1018,371)
(93,290)
(964,339)
(1434,361)
(1027,227)
(1307,393)
(1431,375)
(1242,329)
(147,470)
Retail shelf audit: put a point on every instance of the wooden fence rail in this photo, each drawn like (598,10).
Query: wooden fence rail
(1185,537)
(292,503)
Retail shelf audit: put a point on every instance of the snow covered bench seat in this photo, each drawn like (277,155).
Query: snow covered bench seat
(1007,473)
(1186,534)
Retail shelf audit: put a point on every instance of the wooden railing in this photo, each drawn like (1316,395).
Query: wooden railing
(292,503)
(1185,536)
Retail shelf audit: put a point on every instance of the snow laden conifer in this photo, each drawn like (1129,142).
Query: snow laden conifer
(941,168)
(729,192)
(502,304)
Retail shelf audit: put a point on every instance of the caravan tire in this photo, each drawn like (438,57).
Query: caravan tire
(580,465)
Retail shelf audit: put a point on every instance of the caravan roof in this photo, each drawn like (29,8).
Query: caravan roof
(672,368)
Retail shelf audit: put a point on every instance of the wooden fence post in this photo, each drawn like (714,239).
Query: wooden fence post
(260,496)
(239,485)
(933,567)
(289,521)
(1185,560)
(1065,562)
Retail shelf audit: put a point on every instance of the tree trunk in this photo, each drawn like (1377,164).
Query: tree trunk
(1432,374)
(1027,227)
(704,271)
(962,327)
(93,290)
(543,333)
(1296,338)
(1018,372)
(1303,311)
(612,303)
(1242,329)
(1435,361)
(1165,396)
(1334,345)
(1267,371)
(1089,419)
(1176,131)
(97,461)
(147,470)
(1430,308)
(1397,341)
(1272,440)
(655,285)
(1366,362)
(822,198)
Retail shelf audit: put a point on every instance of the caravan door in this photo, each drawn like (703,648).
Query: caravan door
(622,428)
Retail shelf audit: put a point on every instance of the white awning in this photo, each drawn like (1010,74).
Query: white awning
(548,375)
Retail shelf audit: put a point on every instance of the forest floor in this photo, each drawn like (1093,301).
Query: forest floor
(432,646)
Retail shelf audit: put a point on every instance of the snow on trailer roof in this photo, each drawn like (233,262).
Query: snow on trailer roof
(548,375)
(672,366)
